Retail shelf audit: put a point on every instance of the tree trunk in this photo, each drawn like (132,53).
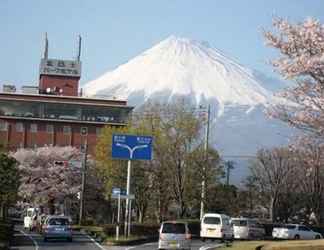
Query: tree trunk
(271,209)
(2,208)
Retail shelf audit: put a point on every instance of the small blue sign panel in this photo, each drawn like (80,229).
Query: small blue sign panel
(132,147)
(117,191)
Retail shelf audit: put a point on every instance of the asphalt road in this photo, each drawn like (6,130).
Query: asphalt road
(32,241)
(24,240)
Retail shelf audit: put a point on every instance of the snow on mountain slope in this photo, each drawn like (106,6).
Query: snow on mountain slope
(194,71)
(180,66)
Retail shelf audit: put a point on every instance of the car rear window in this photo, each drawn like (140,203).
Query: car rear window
(239,223)
(174,228)
(58,222)
(212,220)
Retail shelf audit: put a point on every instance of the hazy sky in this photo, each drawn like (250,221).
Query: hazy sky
(115,31)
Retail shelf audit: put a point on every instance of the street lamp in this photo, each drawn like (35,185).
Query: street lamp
(203,183)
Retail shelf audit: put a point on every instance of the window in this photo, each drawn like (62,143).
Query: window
(174,228)
(19,127)
(49,128)
(212,220)
(84,131)
(303,228)
(66,129)
(58,222)
(3,126)
(239,223)
(33,128)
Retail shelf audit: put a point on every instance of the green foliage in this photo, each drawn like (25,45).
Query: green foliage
(9,180)
(6,231)
(163,187)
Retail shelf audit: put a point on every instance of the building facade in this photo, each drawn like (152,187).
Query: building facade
(54,113)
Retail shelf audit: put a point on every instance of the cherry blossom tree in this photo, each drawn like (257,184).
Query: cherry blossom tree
(301,48)
(44,178)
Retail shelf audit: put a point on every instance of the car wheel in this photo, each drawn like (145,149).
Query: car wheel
(297,237)
(203,239)
(317,237)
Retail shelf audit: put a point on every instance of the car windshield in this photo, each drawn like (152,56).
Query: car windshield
(212,220)
(58,222)
(239,223)
(174,228)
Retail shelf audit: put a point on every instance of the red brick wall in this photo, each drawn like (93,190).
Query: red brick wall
(69,85)
(28,139)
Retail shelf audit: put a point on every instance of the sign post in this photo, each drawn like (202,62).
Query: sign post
(130,147)
(119,194)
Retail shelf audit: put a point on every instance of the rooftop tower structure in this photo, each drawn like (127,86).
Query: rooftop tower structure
(59,77)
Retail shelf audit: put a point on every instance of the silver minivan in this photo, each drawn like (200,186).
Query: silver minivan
(246,228)
(174,235)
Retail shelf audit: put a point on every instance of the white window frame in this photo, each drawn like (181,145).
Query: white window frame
(19,126)
(33,128)
(3,126)
(49,128)
(67,130)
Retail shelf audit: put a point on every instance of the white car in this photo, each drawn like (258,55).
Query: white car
(294,231)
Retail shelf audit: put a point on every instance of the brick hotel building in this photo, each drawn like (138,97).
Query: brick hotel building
(54,113)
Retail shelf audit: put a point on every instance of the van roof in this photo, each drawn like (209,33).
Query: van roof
(243,218)
(174,221)
(215,215)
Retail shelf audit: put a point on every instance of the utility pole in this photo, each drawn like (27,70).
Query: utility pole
(84,172)
(203,183)
(229,166)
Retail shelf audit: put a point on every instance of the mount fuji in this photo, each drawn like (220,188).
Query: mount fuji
(183,68)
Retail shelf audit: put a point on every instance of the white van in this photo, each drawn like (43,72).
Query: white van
(216,226)
(28,219)
(245,228)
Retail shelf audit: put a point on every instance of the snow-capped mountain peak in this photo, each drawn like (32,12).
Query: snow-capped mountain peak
(180,66)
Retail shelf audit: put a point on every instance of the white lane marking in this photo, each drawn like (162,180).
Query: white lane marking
(95,242)
(210,247)
(30,237)
(146,244)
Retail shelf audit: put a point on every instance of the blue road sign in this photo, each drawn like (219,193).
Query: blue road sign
(132,147)
(117,191)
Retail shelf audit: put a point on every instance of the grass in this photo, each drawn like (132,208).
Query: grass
(277,245)
(244,245)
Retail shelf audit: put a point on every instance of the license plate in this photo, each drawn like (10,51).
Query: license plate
(173,244)
(211,230)
(59,229)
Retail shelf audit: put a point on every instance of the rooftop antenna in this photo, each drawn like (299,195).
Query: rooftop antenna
(46,47)
(79,49)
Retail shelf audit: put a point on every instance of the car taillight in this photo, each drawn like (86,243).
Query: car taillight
(188,236)
(222,230)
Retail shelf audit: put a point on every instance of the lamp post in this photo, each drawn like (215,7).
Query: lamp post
(203,183)
(84,170)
